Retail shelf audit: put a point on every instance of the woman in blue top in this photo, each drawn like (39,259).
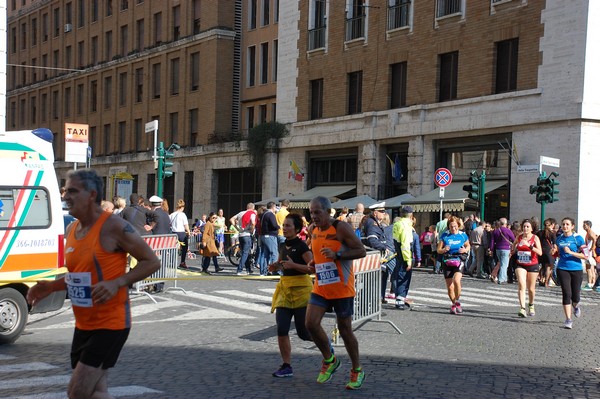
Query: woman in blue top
(454,247)
(570,247)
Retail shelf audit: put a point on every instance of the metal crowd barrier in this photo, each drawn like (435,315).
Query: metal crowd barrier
(166,247)
(367,301)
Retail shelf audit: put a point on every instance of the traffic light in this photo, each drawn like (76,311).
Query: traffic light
(473,188)
(543,190)
(553,190)
(164,165)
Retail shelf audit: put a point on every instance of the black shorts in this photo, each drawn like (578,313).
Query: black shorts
(97,348)
(546,258)
(450,271)
(530,269)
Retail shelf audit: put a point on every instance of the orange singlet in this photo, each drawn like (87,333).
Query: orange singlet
(88,263)
(334,279)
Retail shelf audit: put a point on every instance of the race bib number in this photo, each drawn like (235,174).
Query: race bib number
(524,257)
(79,287)
(327,273)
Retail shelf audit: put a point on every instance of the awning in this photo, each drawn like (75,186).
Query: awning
(350,203)
(302,200)
(266,201)
(397,201)
(454,198)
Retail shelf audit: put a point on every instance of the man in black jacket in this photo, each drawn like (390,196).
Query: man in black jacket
(379,237)
(137,215)
(269,230)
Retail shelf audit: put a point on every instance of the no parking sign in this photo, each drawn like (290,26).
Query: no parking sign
(443,177)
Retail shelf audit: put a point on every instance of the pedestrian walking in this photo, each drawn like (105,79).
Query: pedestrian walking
(526,249)
(376,239)
(571,249)
(334,245)
(96,250)
(268,237)
(161,223)
(590,262)
(501,243)
(181,227)
(547,238)
(292,292)
(220,232)
(209,245)
(454,247)
(247,221)
(403,241)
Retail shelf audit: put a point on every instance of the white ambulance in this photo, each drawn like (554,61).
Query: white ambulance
(31,226)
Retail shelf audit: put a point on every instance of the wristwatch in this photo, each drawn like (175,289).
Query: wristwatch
(338,255)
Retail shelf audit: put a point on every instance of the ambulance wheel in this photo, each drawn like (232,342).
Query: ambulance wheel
(13,315)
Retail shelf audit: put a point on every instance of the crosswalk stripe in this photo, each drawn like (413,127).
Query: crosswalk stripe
(485,299)
(267,290)
(246,306)
(541,298)
(246,295)
(464,299)
(131,390)
(35,382)
(421,299)
(11,368)
(6,357)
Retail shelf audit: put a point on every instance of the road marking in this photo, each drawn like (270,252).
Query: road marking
(246,306)
(246,295)
(11,368)
(476,298)
(421,299)
(35,382)
(512,295)
(6,357)
(269,291)
(130,390)
(204,314)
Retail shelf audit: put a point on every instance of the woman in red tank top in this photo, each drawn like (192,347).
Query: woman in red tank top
(527,248)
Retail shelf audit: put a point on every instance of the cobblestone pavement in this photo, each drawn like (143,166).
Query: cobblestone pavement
(218,339)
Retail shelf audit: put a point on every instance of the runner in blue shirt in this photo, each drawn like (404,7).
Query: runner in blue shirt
(454,247)
(571,249)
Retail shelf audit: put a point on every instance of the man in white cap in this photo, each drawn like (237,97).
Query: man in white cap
(161,223)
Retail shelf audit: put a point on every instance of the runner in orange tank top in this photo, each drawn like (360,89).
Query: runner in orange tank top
(334,246)
(97,282)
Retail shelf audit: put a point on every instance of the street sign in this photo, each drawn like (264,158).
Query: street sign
(152,125)
(443,177)
(442,192)
(555,162)
(528,168)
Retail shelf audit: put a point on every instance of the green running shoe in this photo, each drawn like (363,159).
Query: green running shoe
(356,379)
(327,370)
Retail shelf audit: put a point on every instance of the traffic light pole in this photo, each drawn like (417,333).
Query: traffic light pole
(543,212)
(482,195)
(159,170)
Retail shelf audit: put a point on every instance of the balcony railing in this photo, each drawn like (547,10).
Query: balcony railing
(355,28)
(316,38)
(398,15)
(448,7)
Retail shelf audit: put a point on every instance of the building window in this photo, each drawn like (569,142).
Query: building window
(398,13)
(262,110)
(44,107)
(94,10)
(55,104)
(56,22)
(45,27)
(138,131)
(507,55)
(69,12)
(108,46)
(34,70)
(122,88)
(93,140)
(195,71)
(13,40)
(448,76)
(156,81)
(188,191)
(45,65)
(107,139)
(80,54)
(176,22)
(13,114)
(354,92)
(108,8)
(275,56)
(398,85)
(158,28)
(448,7)
(139,84)
(175,76)
(107,92)
(333,170)
(276,11)
(67,100)
(124,39)
(249,118)
(265,13)
(273,112)
(139,28)
(174,126)
(33,110)
(194,127)
(124,5)
(122,136)
(80,99)
(355,20)
(316,24)
(55,55)
(94,50)
(94,95)
(22,109)
(252,14)
(34,31)
(81,13)
(264,63)
(23,74)
(316,99)
(196,17)
(251,66)
(68,57)
(23,36)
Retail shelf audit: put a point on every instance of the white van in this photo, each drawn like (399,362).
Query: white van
(31,226)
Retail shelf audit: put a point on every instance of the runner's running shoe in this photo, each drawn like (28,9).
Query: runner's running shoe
(453,309)
(577,311)
(356,379)
(531,310)
(327,370)
(285,370)
(458,307)
(522,313)
(569,324)
(587,287)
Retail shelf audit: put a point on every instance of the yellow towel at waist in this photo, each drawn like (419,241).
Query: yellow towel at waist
(292,292)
